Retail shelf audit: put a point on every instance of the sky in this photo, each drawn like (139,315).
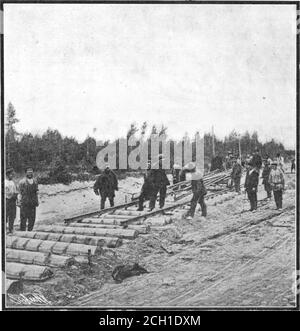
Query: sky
(94,69)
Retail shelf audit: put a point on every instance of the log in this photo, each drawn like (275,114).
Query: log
(110,242)
(47,246)
(37,258)
(129,212)
(158,221)
(115,217)
(121,233)
(100,221)
(28,271)
(140,228)
(13,286)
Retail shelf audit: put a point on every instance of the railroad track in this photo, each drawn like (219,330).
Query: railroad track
(84,235)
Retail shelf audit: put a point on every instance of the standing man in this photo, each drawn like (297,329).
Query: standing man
(28,200)
(293,166)
(276,180)
(280,161)
(106,184)
(265,176)
(147,188)
(251,184)
(11,195)
(199,192)
(160,182)
(236,175)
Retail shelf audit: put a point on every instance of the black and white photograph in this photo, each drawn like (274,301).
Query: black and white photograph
(149,155)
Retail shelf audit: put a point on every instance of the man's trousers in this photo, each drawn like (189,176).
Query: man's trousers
(162,196)
(198,198)
(252,196)
(278,198)
(11,213)
(27,216)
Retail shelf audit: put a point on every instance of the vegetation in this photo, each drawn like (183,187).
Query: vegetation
(62,159)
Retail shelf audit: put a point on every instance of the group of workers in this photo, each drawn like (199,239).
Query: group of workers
(272,175)
(25,195)
(156,181)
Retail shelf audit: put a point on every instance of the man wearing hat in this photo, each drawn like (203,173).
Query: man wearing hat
(11,194)
(147,188)
(106,184)
(198,189)
(276,180)
(28,200)
(280,161)
(265,176)
(160,182)
(251,183)
(236,175)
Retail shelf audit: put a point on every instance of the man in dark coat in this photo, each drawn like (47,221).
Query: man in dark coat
(160,182)
(251,183)
(236,175)
(199,192)
(265,176)
(28,200)
(106,185)
(147,188)
(293,166)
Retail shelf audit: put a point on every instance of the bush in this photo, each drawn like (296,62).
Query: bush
(59,174)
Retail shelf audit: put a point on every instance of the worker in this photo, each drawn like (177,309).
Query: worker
(256,160)
(198,189)
(147,188)
(280,161)
(106,184)
(293,166)
(265,176)
(28,200)
(11,194)
(276,180)
(176,173)
(236,175)
(160,182)
(251,183)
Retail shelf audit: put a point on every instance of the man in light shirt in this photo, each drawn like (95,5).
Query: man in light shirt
(280,161)
(276,180)
(11,194)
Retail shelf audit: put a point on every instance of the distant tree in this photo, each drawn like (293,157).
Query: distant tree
(162,130)
(144,128)
(132,130)
(11,135)
(154,129)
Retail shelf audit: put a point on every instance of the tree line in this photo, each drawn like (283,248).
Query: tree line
(51,150)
